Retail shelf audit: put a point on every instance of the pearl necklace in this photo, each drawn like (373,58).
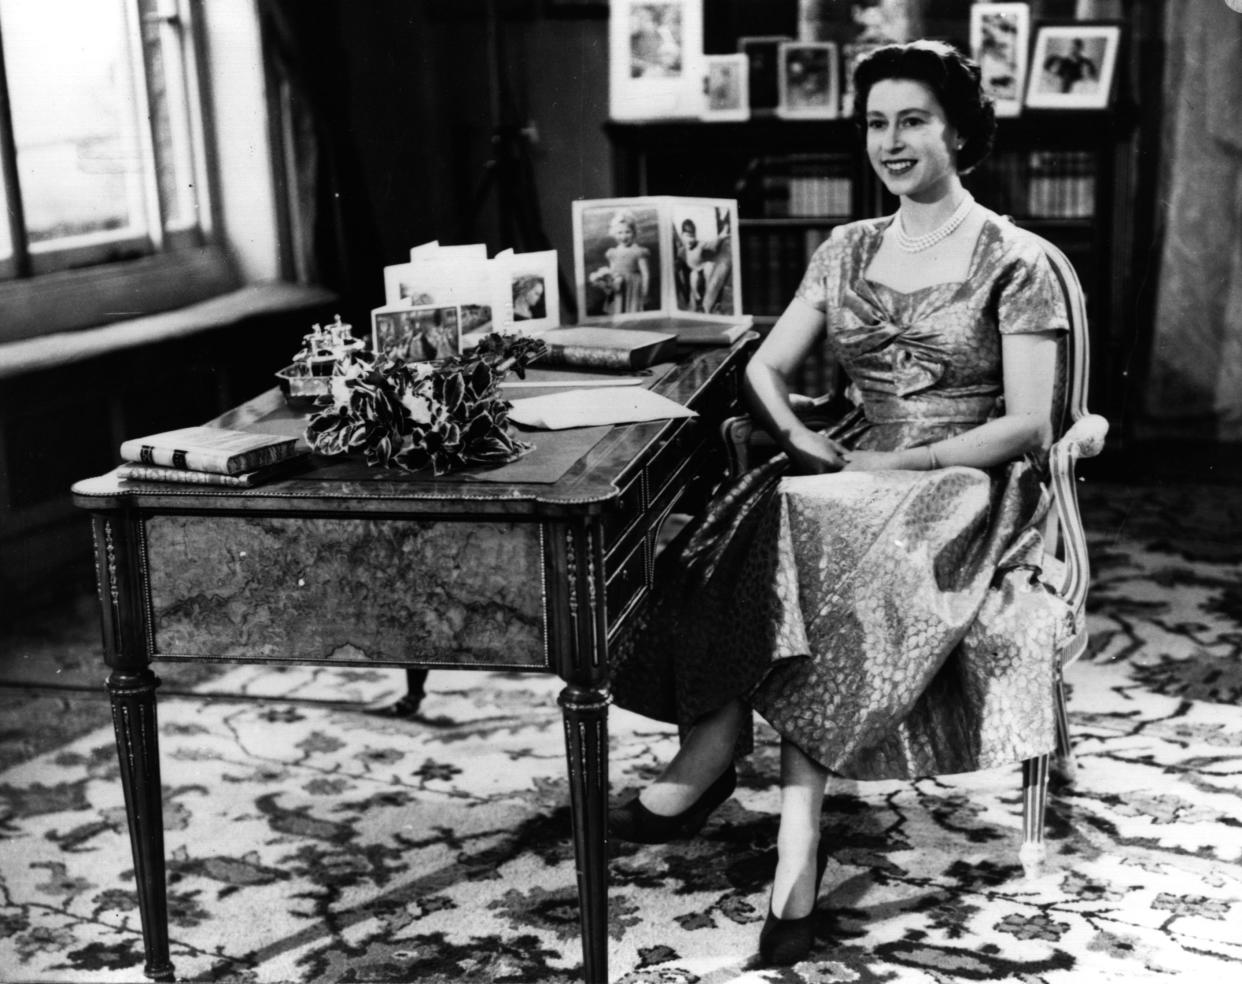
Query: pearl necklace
(916,244)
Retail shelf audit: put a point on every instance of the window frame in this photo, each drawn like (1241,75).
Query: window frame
(41,296)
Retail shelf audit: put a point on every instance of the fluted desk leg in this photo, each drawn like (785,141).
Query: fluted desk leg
(137,745)
(119,560)
(585,713)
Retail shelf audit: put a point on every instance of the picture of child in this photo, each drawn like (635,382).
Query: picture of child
(703,268)
(626,280)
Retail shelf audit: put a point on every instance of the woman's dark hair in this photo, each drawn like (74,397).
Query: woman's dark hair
(952,77)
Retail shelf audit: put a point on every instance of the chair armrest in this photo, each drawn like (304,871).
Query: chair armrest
(747,444)
(1085,439)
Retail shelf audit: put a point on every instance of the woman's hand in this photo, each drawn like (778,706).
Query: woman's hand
(814,453)
(872,461)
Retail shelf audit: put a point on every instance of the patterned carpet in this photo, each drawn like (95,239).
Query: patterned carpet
(311,840)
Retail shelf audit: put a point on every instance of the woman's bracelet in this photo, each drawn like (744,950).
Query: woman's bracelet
(932,463)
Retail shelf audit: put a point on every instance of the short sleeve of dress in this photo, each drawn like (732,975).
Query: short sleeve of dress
(1031,299)
(814,286)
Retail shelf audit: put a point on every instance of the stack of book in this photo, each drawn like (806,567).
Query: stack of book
(209,456)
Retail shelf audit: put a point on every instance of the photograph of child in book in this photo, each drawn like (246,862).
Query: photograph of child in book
(656,257)
(417,334)
(621,247)
(703,268)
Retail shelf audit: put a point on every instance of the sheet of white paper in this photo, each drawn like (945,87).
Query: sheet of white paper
(602,381)
(592,407)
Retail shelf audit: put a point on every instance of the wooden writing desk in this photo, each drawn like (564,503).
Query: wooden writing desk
(443,574)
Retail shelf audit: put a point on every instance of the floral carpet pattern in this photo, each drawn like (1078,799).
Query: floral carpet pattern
(310,838)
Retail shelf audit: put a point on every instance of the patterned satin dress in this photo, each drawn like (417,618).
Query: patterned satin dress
(891,624)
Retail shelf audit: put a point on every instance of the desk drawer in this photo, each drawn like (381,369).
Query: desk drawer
(627,583)
(625,512)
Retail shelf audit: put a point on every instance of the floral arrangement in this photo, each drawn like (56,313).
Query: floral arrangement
(413,415)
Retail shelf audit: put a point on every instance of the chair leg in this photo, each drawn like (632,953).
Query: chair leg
(1064,766)
(1034,802)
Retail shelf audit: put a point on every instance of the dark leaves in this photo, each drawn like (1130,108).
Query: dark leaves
(442,415)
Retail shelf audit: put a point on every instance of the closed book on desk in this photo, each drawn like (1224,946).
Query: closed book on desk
(607,348)
(210,449)
(136,472)
(695,331)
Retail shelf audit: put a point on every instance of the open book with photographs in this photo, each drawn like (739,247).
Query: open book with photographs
(655,257)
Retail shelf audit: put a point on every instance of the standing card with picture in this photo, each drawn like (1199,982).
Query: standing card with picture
(655,58)
(808,74)
(726,87)
(477,285)
(1000,36)
(535,289)
(421,333)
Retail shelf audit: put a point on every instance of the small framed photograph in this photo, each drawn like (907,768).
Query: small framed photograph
(762,73)
(726,87)
(422,333)
(808,74)
(535,287)
(1000,37)
(619,250)
(706,258)
(1073,65)
(655,58)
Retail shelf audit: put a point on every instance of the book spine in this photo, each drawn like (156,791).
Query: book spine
(218,462)
(589,356)
(155,473)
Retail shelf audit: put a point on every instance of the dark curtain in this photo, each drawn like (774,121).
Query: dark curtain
(331,236)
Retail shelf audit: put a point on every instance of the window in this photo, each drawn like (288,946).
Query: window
(103,163)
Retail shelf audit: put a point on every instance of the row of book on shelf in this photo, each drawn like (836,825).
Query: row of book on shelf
(651,272)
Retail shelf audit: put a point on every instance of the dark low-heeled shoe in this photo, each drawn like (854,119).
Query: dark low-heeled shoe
(634,822)
(783,942)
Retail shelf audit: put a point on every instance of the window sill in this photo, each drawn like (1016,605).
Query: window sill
(57,350)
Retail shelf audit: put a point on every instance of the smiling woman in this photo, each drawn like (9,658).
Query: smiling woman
(847,588)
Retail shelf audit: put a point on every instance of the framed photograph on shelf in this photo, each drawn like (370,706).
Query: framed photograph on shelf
(762,70)
(535,288)
(416,334)
(726,91)
(1073,65)
(1000,37)
(808,73)
(655,50)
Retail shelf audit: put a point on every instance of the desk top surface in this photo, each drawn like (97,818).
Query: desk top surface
(592,481)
